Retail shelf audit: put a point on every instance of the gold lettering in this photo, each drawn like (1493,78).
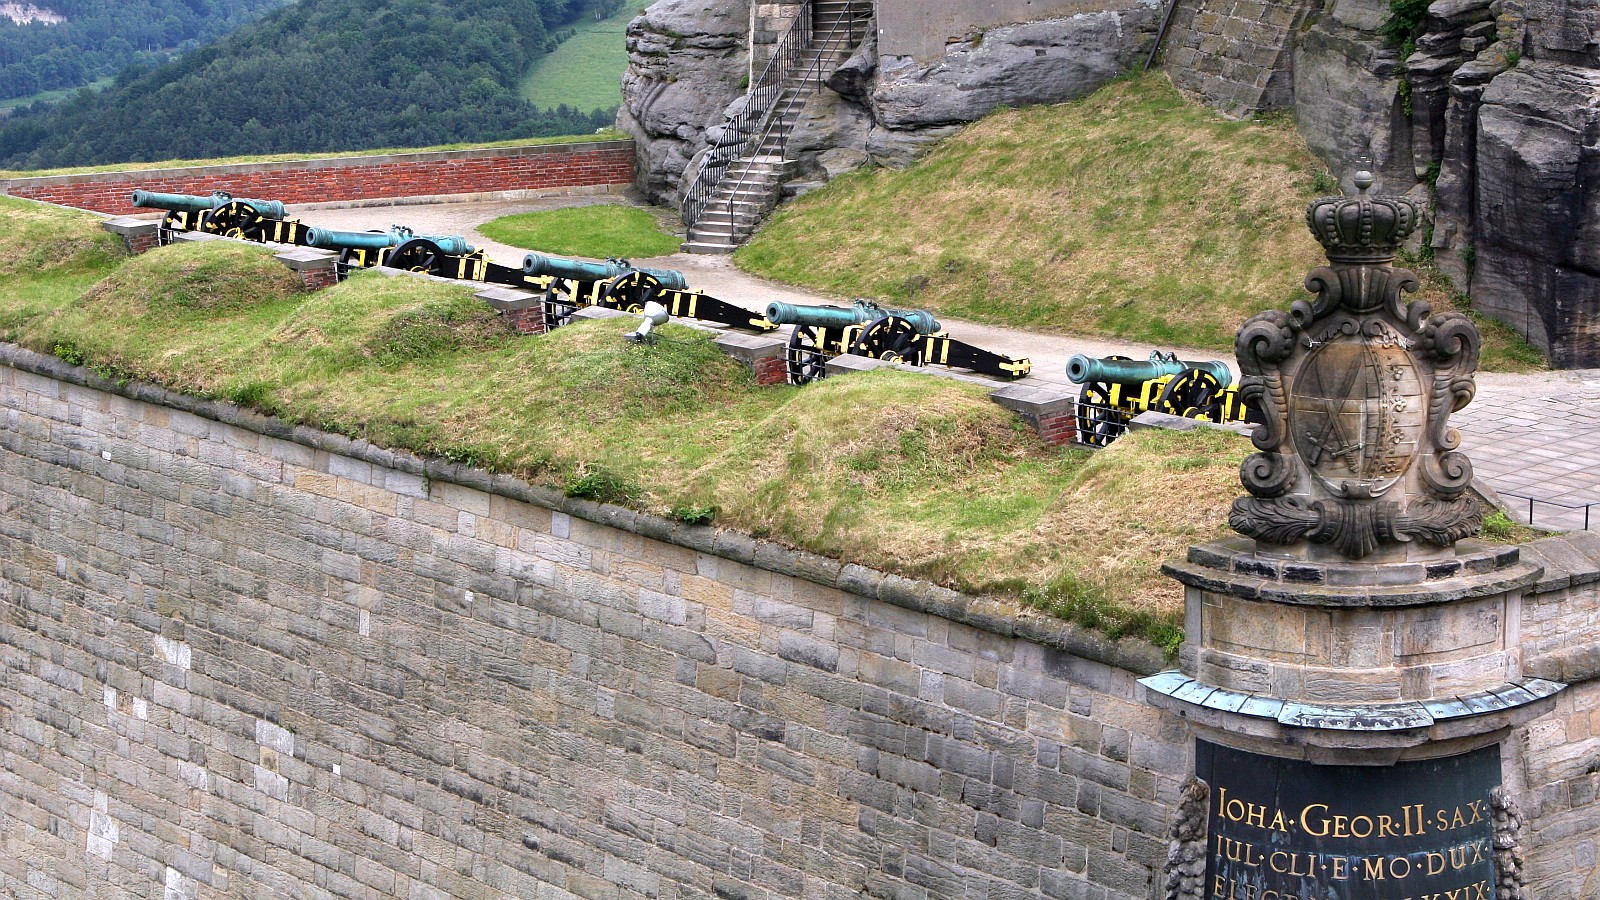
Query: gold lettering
(1341,868)
(1436,862)
(1257,816)
(1311,826)
(1278,823)
(1361,826)
(1387,828)
(1372,868)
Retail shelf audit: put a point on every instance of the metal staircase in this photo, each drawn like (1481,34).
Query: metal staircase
(740,179)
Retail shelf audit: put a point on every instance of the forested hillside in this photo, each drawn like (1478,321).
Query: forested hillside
(318,76)
(80,41)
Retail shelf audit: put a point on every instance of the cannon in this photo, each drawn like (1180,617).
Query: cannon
(567,283)
(570,284)
(866,329)
(222,213)
(1116,388)
(448,256)
(579,270)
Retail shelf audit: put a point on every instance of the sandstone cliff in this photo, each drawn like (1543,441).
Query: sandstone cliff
(687,59)
(1498,111)
(1492,111)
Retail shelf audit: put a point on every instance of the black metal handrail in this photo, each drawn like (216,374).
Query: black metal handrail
(759,110)
(760,98)
(1586,507)
(779,126)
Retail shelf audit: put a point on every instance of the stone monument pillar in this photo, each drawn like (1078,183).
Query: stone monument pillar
(1353,658)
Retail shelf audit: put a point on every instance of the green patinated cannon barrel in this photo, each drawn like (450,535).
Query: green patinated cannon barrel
(578,270)
(269,209)
(1082,369)
(328,239)
(858,313)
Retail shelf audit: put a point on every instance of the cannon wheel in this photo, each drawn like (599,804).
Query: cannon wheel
(417,255)
(887,338)
(558,305)
(630,292)
(1193,394)
(1099,423)
(173,222)
(805,359)
(235,220)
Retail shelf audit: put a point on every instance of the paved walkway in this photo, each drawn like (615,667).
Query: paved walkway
(1529,436)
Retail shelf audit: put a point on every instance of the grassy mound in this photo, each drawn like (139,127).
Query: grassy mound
(40,239)
(596,232)
(1131,213)
(890,469)
(48,257)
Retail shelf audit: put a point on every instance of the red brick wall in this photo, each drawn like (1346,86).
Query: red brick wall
(544,167)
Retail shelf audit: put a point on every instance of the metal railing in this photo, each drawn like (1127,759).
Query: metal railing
(1574,507)
(760,99)
(774,126)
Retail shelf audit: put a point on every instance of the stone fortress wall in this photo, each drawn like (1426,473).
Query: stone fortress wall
(245,659)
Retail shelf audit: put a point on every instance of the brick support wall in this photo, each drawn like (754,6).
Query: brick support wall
(526,321)
(543,168)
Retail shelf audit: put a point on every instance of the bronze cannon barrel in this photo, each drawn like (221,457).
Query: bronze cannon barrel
(329,239)
(858,313)
(1082,369)
(269,209)
(580,270)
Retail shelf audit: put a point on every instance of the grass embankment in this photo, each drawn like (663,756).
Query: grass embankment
(916,475)
(1130,214)
(585,71)
(598,232)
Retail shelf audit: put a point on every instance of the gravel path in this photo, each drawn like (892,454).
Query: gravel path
(1532,435)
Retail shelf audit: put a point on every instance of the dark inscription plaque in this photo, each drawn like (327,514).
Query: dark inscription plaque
(1288,830)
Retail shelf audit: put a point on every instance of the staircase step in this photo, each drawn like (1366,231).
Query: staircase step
(708,249)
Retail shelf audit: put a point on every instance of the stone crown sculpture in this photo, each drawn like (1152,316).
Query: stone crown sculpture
(1356,388)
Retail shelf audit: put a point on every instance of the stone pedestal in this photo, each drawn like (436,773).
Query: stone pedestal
(1354,660)
(1352,663)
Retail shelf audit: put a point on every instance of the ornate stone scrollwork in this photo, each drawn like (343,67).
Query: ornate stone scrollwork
(1186,854)
(1355,388)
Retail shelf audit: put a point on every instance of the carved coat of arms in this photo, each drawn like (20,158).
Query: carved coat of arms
(1356,388)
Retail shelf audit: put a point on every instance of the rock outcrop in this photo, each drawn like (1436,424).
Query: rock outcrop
(883,111)
(687,60)
(1491,110)
(1498,111)
(1347,99)
(1534,224)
